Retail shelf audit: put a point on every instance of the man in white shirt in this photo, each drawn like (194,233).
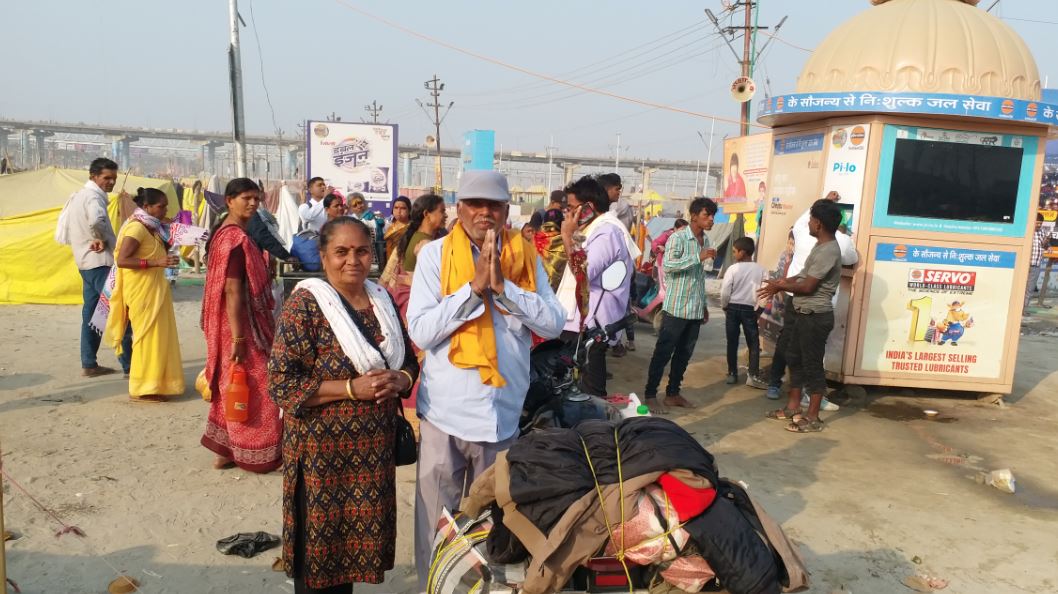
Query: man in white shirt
(312,213)
(803,244)
(85,226)
(474,305)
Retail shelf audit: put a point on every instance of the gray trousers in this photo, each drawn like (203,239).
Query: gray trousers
(447,467)
(1032,282)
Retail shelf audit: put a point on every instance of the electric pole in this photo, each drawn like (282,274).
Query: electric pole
(709,157)
(550,160)
(748,59)
(374,109)
(617,154)
(435,86)
(747,62)
(238,126)
(749,56)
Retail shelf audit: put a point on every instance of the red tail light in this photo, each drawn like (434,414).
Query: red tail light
(607,572)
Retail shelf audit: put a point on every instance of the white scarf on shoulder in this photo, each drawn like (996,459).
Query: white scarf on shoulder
(567,287)
(610,218)
(356,347)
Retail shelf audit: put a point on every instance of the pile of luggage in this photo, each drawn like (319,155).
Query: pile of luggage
(622,506)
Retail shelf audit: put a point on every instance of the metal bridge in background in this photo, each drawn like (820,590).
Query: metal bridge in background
(39,143)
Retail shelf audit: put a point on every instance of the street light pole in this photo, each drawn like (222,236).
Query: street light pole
(550,157)
(709,158)
(235,73)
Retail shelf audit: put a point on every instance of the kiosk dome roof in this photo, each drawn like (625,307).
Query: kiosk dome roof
(923,46)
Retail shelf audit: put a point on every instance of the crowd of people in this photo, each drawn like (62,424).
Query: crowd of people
(450,323)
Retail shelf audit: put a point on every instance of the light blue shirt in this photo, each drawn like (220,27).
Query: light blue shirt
(453,399)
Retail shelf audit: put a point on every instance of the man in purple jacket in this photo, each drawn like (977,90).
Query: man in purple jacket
(591,227)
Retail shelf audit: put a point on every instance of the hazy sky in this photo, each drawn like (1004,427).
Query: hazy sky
(164,64)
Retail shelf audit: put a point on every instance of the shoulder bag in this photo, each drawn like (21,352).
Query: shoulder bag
(405,450)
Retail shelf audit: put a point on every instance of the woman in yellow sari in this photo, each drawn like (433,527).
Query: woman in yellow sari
(141,297)
(397,225)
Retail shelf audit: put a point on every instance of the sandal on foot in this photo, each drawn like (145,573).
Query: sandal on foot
(677,401)
(783,414)
(803,425)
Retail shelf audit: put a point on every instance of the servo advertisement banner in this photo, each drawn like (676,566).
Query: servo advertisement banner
(938,310)
(355,158)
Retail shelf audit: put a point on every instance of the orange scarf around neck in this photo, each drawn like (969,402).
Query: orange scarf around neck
(474,343)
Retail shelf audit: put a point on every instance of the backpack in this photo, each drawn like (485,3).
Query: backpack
(306,248)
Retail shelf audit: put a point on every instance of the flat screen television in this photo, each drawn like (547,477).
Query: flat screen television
(955,181)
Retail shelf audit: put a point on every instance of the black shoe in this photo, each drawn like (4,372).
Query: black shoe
(732,378)
(96,371)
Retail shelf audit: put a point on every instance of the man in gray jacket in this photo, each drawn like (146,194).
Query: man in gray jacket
(89,233)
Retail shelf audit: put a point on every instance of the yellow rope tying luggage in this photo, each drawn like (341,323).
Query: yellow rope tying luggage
(620,555)
(457,540)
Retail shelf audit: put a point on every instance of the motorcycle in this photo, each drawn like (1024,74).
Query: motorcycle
(554,398)
(649,308)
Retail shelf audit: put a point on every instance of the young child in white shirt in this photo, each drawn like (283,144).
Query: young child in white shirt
(738,297)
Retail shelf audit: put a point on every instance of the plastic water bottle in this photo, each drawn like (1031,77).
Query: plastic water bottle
(634,408)
(173,272)
(237,396)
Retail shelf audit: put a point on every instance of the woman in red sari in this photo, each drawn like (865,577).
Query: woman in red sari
(237,320)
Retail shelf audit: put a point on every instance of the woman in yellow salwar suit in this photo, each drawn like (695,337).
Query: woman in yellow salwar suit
(141,297)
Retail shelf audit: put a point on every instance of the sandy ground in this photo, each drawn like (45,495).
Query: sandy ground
(874,498)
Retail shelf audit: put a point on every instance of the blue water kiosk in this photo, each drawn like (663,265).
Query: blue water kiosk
(925,116)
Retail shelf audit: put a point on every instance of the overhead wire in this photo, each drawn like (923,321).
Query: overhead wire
(633,71)
(260,60)
(1037,21)
(529,72)
(598,64)
(639,112)
(783,41)
(599,77)
(644,69)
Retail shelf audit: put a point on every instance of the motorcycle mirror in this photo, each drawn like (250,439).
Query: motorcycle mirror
(614,276)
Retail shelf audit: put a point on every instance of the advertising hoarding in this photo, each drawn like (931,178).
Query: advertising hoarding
(355,158)
(745,177)
(794,179)
(845,168)
(938,310)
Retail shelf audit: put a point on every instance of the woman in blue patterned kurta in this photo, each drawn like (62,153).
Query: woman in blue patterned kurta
(339,487)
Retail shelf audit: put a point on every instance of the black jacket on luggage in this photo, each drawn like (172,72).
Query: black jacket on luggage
(549,471)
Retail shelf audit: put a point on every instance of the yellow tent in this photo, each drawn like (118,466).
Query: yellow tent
(33,268)
(651,203)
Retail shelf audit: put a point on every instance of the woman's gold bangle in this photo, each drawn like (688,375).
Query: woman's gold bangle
(238,339)
(411,382)
(349,389)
